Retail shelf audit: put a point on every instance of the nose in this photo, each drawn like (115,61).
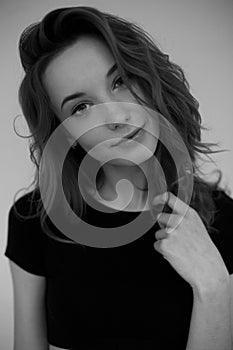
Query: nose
(118,116)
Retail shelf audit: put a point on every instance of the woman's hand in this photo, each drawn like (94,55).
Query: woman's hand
(187,246)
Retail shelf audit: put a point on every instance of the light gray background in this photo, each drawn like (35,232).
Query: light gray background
(197,34)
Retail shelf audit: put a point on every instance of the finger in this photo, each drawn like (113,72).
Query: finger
(174,202)
(169,220)
(158,247)
(161,234)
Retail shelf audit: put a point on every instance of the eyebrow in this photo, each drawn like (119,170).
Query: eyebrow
(80,94)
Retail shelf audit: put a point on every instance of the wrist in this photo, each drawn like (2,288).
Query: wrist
(212,288)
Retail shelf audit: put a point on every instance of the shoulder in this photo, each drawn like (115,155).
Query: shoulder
(224,207)
(23,213)
(223,198)
(27,203)
(26,241)
(223,222)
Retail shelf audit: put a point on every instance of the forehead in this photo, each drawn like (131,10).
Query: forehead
(78,66)
(85,51)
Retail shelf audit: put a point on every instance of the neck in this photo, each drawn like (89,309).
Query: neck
(134,174)
(122,193)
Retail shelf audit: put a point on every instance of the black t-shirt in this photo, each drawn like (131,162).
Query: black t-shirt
(126,297)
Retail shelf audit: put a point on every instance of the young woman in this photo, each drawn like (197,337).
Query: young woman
(169,287)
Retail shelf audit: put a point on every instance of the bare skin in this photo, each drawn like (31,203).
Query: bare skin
(83,67)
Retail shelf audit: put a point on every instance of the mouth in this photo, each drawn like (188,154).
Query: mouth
(132,136)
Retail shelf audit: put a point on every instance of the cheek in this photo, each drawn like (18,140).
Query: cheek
(87,141)
(91,139)
(97,146)
(155,131)
(151,139)
(85,135)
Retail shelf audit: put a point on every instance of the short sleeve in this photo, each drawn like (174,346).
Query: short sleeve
(223,240)
(25,239)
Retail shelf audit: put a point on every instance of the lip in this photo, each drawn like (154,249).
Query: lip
(127,142)
(125,138)
(131,133)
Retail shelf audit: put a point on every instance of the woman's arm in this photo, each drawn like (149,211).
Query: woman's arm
(29,310)
(210,327)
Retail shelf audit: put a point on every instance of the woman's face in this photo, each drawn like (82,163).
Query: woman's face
(86,71)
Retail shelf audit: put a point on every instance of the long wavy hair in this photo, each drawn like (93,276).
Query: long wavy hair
(162,82)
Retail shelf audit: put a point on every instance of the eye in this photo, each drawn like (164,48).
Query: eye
(78,108)
(119,79)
